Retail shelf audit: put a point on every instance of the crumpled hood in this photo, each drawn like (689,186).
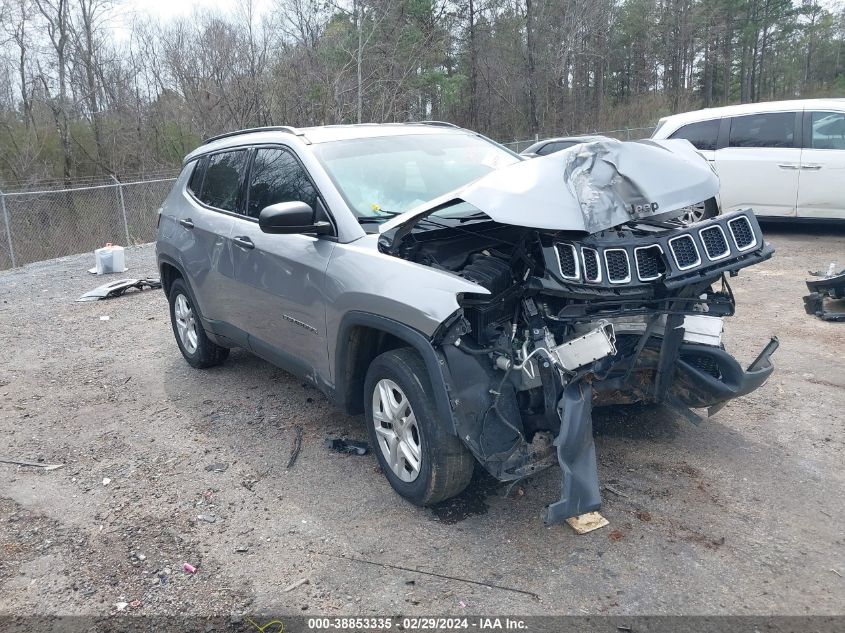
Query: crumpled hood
(588,187)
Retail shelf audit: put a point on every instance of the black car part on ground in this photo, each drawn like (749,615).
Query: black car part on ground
(830,286)
(352,447)
(554,294)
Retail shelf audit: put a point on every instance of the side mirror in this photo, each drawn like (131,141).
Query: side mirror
(289,218)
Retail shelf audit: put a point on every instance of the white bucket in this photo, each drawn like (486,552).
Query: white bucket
(109,259)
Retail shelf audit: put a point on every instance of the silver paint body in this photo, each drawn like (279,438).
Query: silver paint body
(287,296)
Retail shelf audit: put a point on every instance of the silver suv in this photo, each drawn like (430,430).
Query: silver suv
(472,305)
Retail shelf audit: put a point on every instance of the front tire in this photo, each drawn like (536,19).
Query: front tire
(420,458)
(200,351)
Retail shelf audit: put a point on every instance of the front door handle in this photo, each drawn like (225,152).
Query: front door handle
(813,167)
(243,241)
(789,166)
(187,223)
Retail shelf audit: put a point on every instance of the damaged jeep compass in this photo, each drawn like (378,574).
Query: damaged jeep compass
(472,304)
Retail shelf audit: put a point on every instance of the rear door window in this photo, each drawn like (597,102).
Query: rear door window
(767,129)
(827,130)
(277,176)
(222,184)
(703,134)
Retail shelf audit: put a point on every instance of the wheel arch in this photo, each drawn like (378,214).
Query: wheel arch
(169,271)
(361,337)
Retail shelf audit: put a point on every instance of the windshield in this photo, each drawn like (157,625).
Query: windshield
(392,174)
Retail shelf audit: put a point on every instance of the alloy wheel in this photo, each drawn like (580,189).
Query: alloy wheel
(694,213)
(186,324)
(396,430)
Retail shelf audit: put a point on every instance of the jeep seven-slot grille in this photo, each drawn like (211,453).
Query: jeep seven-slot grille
(684,251)
(618,269)
(568,260)
(649,263)
(591,264)
(742,233)
(612,259)
(715,243)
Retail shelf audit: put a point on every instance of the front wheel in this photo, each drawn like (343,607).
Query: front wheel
(422,461)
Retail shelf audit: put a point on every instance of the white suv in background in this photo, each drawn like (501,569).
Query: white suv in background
(783,159)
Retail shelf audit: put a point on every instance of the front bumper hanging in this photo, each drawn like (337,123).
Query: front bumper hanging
(576,450)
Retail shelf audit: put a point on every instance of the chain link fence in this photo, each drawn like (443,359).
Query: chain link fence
(45,224)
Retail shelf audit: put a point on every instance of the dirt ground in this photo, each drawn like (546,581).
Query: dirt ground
(164,465)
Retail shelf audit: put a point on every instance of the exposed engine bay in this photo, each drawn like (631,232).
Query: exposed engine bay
(628,314)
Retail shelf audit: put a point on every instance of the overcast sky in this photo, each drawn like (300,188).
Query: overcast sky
(167,9)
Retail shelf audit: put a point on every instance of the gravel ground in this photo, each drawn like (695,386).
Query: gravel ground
(741,515)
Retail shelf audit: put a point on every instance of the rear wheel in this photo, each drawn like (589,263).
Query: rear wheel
(422,461)
(196,347)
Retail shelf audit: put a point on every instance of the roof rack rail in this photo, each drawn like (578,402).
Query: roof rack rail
(437,123)
(270,128)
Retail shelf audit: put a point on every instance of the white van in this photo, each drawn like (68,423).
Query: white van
(783,159)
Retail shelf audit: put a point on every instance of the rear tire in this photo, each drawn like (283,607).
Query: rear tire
(421,459)
(200,351)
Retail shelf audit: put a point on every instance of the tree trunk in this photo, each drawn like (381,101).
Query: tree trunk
(533,122)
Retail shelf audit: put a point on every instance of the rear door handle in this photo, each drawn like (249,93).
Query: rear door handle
(243,241)
(187,223)
(813,167)
(789,166)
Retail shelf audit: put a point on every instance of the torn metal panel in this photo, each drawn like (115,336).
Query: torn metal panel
(587,188)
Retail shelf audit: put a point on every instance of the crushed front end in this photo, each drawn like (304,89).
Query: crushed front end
(628,314)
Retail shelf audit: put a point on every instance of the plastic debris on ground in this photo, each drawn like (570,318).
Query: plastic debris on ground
(16,462)
(117,288)
(188,568)
(298,583)
(351,447)
(586,523)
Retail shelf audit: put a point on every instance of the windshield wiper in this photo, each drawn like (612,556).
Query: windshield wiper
(464,218)
(377,219)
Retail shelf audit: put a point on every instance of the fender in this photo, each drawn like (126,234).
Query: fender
(414,338)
